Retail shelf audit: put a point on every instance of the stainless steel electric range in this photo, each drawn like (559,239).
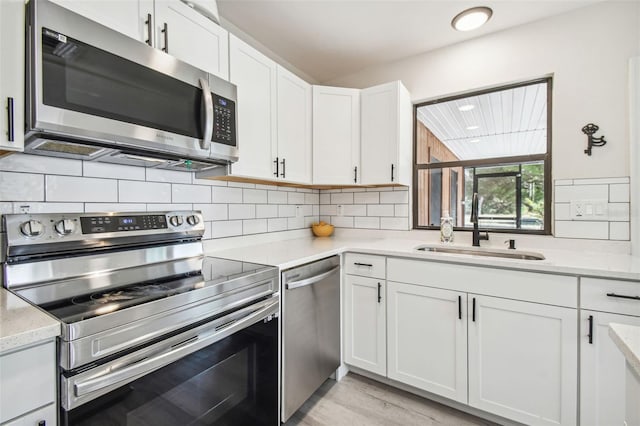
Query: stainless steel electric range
(153,332)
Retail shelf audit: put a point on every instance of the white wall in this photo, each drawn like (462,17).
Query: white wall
(634,117)
(587,51)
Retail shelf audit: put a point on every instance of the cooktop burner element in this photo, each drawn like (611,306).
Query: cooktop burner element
(130,293)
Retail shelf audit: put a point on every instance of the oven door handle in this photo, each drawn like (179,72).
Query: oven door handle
(212,333)
(205,143)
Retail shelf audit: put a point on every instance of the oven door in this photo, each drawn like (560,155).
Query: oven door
(91,83)
(224,372)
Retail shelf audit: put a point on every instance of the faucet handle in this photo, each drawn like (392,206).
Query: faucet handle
(512,244)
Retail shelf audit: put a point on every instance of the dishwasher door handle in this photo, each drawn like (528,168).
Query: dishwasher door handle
(311,280)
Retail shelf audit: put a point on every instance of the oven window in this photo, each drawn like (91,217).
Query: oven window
(79,77)
(231,382)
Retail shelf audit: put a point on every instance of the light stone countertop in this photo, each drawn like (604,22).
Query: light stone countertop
(627,338)
(22,324)
(286,254)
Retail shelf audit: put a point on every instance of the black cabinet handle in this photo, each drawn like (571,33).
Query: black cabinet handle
(355,174)
(379,292)
(283,168)
(591,329)
(473,310)
(392,173)
(459,307)
(42,423)
(10,119)
(277,167)
(165,31)
(622,296)
(149,40)
(363,264)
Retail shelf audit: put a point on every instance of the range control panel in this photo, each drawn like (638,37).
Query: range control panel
(99,224)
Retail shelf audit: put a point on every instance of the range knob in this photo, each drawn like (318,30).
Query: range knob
(65,227)
(32,228)
(193,220)
(176,220)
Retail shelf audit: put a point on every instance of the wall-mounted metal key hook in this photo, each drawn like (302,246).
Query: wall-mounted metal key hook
(589,130)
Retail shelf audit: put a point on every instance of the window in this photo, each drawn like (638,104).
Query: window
(495,143)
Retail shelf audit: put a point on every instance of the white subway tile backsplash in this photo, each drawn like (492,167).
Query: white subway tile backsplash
(565,194)
(254,226)
(316,210)
(254,196)
(286,210)
(307,209)
(242,211)
(354,210)
(395,197)
(619,231)
(295,198)
(619,193)
(212,212)
(325,198)
(112,171)
(328,209)
(596,181)
(266,210)
(82,189)
(207,231)
(111,207)
(190,193)
(6,207)
(311,198)
(342,198)
(307,190)
(559,182)
(142,192)
(341,221)
(367,222)
(562,211)
(21,186)
(618,212)
(172,176)
(353,190)
(226,228)
(241,185)
(276,197)
(380,210)
(381,189)
(582,229)
(277,224)
(26,163)
(209,182)
(394,223)
(31,207)
(402,209)
(168,206)
(226,195)
(295,222)
(366,198)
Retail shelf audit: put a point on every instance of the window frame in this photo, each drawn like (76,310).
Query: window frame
(546,158)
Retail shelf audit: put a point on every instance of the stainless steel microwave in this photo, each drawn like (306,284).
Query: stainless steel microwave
(98,95)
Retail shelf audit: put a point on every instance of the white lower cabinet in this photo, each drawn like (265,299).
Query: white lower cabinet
(602,370)
(427,339)
(365,328)
(522,360)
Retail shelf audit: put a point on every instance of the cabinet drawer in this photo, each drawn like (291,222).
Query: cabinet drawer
(536,287)
(365,265)
(27,380)
(45,414)
(610,296)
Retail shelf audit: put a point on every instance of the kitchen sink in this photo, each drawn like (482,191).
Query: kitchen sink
(508,254)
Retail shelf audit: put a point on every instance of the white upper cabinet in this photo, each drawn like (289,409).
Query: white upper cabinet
(336,136)
(189,36)
(255,76)
(386,145)
(294,127)
(12,76)
(126,16)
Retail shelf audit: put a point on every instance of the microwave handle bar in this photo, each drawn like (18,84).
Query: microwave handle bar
(216,331)
(208,107)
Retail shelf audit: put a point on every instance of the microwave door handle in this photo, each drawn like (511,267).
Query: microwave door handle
(205,143)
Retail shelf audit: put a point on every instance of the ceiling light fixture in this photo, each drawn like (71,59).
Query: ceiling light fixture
(473,127)
(471,19)
(467,107)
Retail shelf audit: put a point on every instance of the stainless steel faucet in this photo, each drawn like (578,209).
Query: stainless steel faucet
(474,219)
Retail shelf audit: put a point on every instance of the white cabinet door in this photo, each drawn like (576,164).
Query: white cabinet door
(12,76)
(427,339)
(294,127)
(125,16)
(523,360)
(385,143)
(364,321)
(255,76)
(336,136)
(189,36)
(602,370)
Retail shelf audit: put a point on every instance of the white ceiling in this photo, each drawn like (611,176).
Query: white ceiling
(331,38)
(509,123)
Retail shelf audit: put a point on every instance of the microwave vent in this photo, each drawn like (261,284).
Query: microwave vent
(69,148)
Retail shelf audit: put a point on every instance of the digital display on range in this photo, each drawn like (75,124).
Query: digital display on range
(100,224)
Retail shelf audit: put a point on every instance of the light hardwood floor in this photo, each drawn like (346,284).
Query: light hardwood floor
(359,401)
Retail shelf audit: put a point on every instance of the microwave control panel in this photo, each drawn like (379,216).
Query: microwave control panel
(224,120)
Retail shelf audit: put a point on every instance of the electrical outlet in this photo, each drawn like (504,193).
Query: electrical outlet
(25,208)
(589,210)
(340,210)
(298,211)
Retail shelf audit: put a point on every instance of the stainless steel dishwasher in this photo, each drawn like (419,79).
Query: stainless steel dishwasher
(311,337)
